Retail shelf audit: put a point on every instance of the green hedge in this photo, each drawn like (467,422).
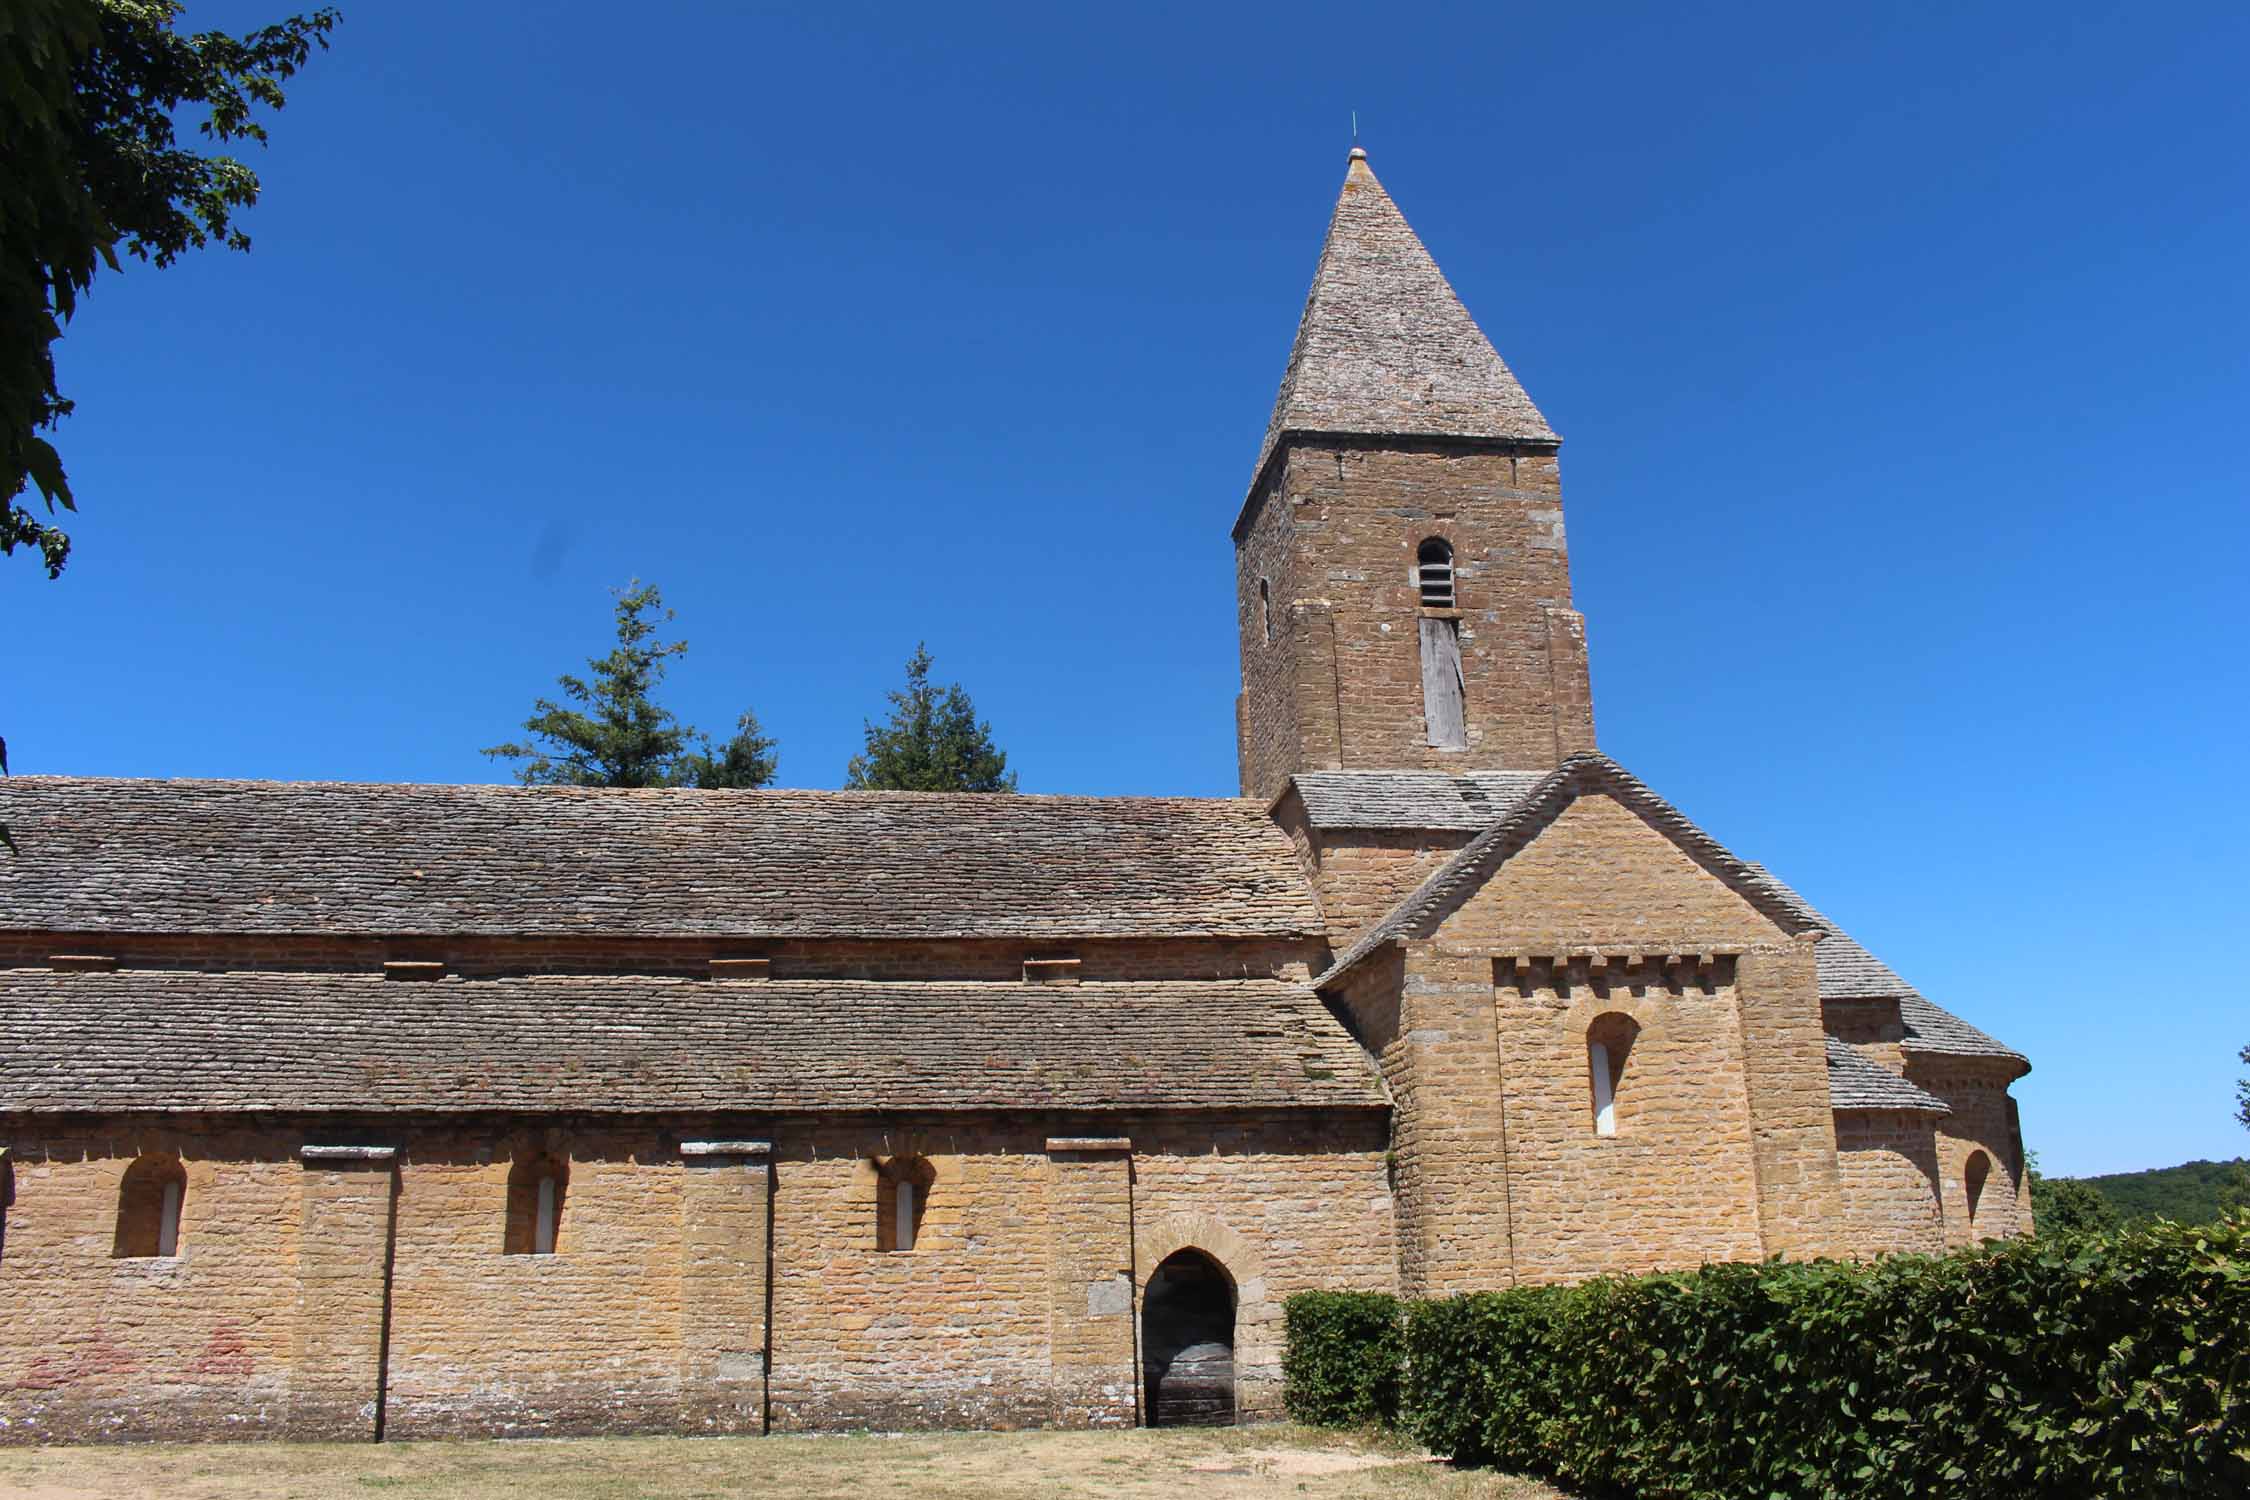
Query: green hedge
(2117,1366)
(1344,1362)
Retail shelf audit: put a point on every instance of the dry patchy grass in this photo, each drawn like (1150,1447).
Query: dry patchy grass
(1253,1463)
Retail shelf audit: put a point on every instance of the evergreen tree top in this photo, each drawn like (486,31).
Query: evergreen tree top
(619,736)
(933,742)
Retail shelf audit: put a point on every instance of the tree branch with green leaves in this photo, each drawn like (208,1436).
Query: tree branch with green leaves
(90,92)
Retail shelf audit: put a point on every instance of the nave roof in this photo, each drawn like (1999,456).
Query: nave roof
(186,1040)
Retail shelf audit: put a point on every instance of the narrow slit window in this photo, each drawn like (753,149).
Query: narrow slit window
(1609,1047)
(902,1198)
(1433,573)
(7,1199)
(538,1191)
(1605,1088)
(150,1198)
(1265,609)
(1444,695)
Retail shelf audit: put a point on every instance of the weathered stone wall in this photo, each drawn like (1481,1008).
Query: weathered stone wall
(1282,634)
(1725,1146)
(1887,1164)
(1677,1184)
(1017,1304)
(1873,1026)
(96,1347)
(1363,873)
(1350,516)
(1983,1119)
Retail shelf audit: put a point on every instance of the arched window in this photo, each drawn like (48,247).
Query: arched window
(1265,609)
(1973,1178)
(537,1185)
(902,1197)
(149,1199)
(1433,573)
(1609,1045)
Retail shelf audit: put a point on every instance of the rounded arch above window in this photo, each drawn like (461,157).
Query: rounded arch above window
(1433,572)
(149,1198)
(537,1184)
(1974,1175)
(1609,1048)
(902,1197)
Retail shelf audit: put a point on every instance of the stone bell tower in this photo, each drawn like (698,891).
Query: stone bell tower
(1402,584)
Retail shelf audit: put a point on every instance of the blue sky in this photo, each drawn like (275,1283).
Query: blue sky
(1900,357)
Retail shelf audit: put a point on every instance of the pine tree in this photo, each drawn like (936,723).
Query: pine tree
(934,742)
(619,735)
(747,761)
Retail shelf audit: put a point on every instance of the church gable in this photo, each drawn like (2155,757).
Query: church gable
(1588,856)
(1600,874)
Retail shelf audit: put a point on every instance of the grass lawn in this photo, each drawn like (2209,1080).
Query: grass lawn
(1248,1461)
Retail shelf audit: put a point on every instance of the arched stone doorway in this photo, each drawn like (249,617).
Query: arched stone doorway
(1187,1342)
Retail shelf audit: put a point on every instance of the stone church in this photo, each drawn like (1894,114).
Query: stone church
(346,1111)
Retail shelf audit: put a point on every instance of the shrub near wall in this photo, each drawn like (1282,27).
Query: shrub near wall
(1345,1360)
(2110,1367)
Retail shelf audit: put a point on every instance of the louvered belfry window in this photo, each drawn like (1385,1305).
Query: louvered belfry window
(1433,573)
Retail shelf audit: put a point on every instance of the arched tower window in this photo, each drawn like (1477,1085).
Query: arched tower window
(1973,1178)
(1433,573)
(537,1185)
(149,1200)
(1609,1046)
(1265,609)
(902,1197)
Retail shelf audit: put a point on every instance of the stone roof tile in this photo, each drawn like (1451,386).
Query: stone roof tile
(1411,799)
(138,1039)
(1385,347)
(1857,1082)
(112,855)
(1931,1028)
(1849,972)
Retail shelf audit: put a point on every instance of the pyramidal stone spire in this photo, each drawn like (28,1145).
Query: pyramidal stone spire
(1385,347)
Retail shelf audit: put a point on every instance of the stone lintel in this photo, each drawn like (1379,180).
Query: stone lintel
(348,1153)
(726,1148)
(1089,1143)
(414,968)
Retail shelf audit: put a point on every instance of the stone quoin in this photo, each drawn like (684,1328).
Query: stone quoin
(355,1111)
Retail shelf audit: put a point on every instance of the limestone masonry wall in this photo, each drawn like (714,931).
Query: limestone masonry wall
(1983,1121)
(1887,1161)
(1017,1304)
(1341,533)
(1366,872)
(1724,1146)
(1677,1184)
